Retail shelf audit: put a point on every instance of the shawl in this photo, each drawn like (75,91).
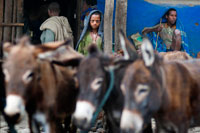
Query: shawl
(85,29)
(59,25)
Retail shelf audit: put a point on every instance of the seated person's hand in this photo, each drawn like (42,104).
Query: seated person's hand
(159,28)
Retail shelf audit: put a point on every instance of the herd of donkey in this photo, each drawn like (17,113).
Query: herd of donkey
(54,84)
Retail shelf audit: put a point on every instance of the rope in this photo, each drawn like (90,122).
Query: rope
(105,98)
(84,131)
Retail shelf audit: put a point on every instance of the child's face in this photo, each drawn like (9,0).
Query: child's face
(95,21)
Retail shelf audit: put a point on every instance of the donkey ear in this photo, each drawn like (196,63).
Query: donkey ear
(74,62)
(39,49)
(128,48)
(24,40)
(49,47)
(147,52)
(106,61)
(7,46)
(67,56)
(64,56)
(93,49)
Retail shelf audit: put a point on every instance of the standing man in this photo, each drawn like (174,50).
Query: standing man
(55,28)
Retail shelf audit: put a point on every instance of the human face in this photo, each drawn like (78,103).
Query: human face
(171,18)
(85,6)
(95,21)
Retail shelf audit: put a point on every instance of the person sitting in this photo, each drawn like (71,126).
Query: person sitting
(92,32)
(170,35)
(55,28)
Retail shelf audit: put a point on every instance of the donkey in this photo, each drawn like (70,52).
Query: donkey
(168,91)
(45,90)
(9,121)
(175,55)
(94,80)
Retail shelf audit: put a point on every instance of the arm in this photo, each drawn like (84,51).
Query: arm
(156,28)
(81,47)
(47,36)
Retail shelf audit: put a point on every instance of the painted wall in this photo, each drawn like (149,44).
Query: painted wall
(142,14)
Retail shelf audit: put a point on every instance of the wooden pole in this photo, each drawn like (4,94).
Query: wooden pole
(7,19)
(158,35)
(19,17)
(1,19)
(120,20)
(78,21)
(14,20)
(108,19)
(11,24)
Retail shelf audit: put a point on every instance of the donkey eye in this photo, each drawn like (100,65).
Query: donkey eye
(100,81)
(141,92)
(28,76)
(96,83)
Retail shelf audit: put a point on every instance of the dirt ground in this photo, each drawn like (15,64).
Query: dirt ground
(22,127)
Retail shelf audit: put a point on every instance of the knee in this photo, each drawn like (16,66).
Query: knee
(177,32)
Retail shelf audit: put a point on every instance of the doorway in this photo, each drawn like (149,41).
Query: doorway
(35,13)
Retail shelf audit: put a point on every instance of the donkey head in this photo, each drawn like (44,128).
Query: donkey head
(141,85)
(22,71)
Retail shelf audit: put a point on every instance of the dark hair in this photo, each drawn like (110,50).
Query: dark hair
(54,7)
(91,2)
(168,11)
(96,13)
(164,20)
